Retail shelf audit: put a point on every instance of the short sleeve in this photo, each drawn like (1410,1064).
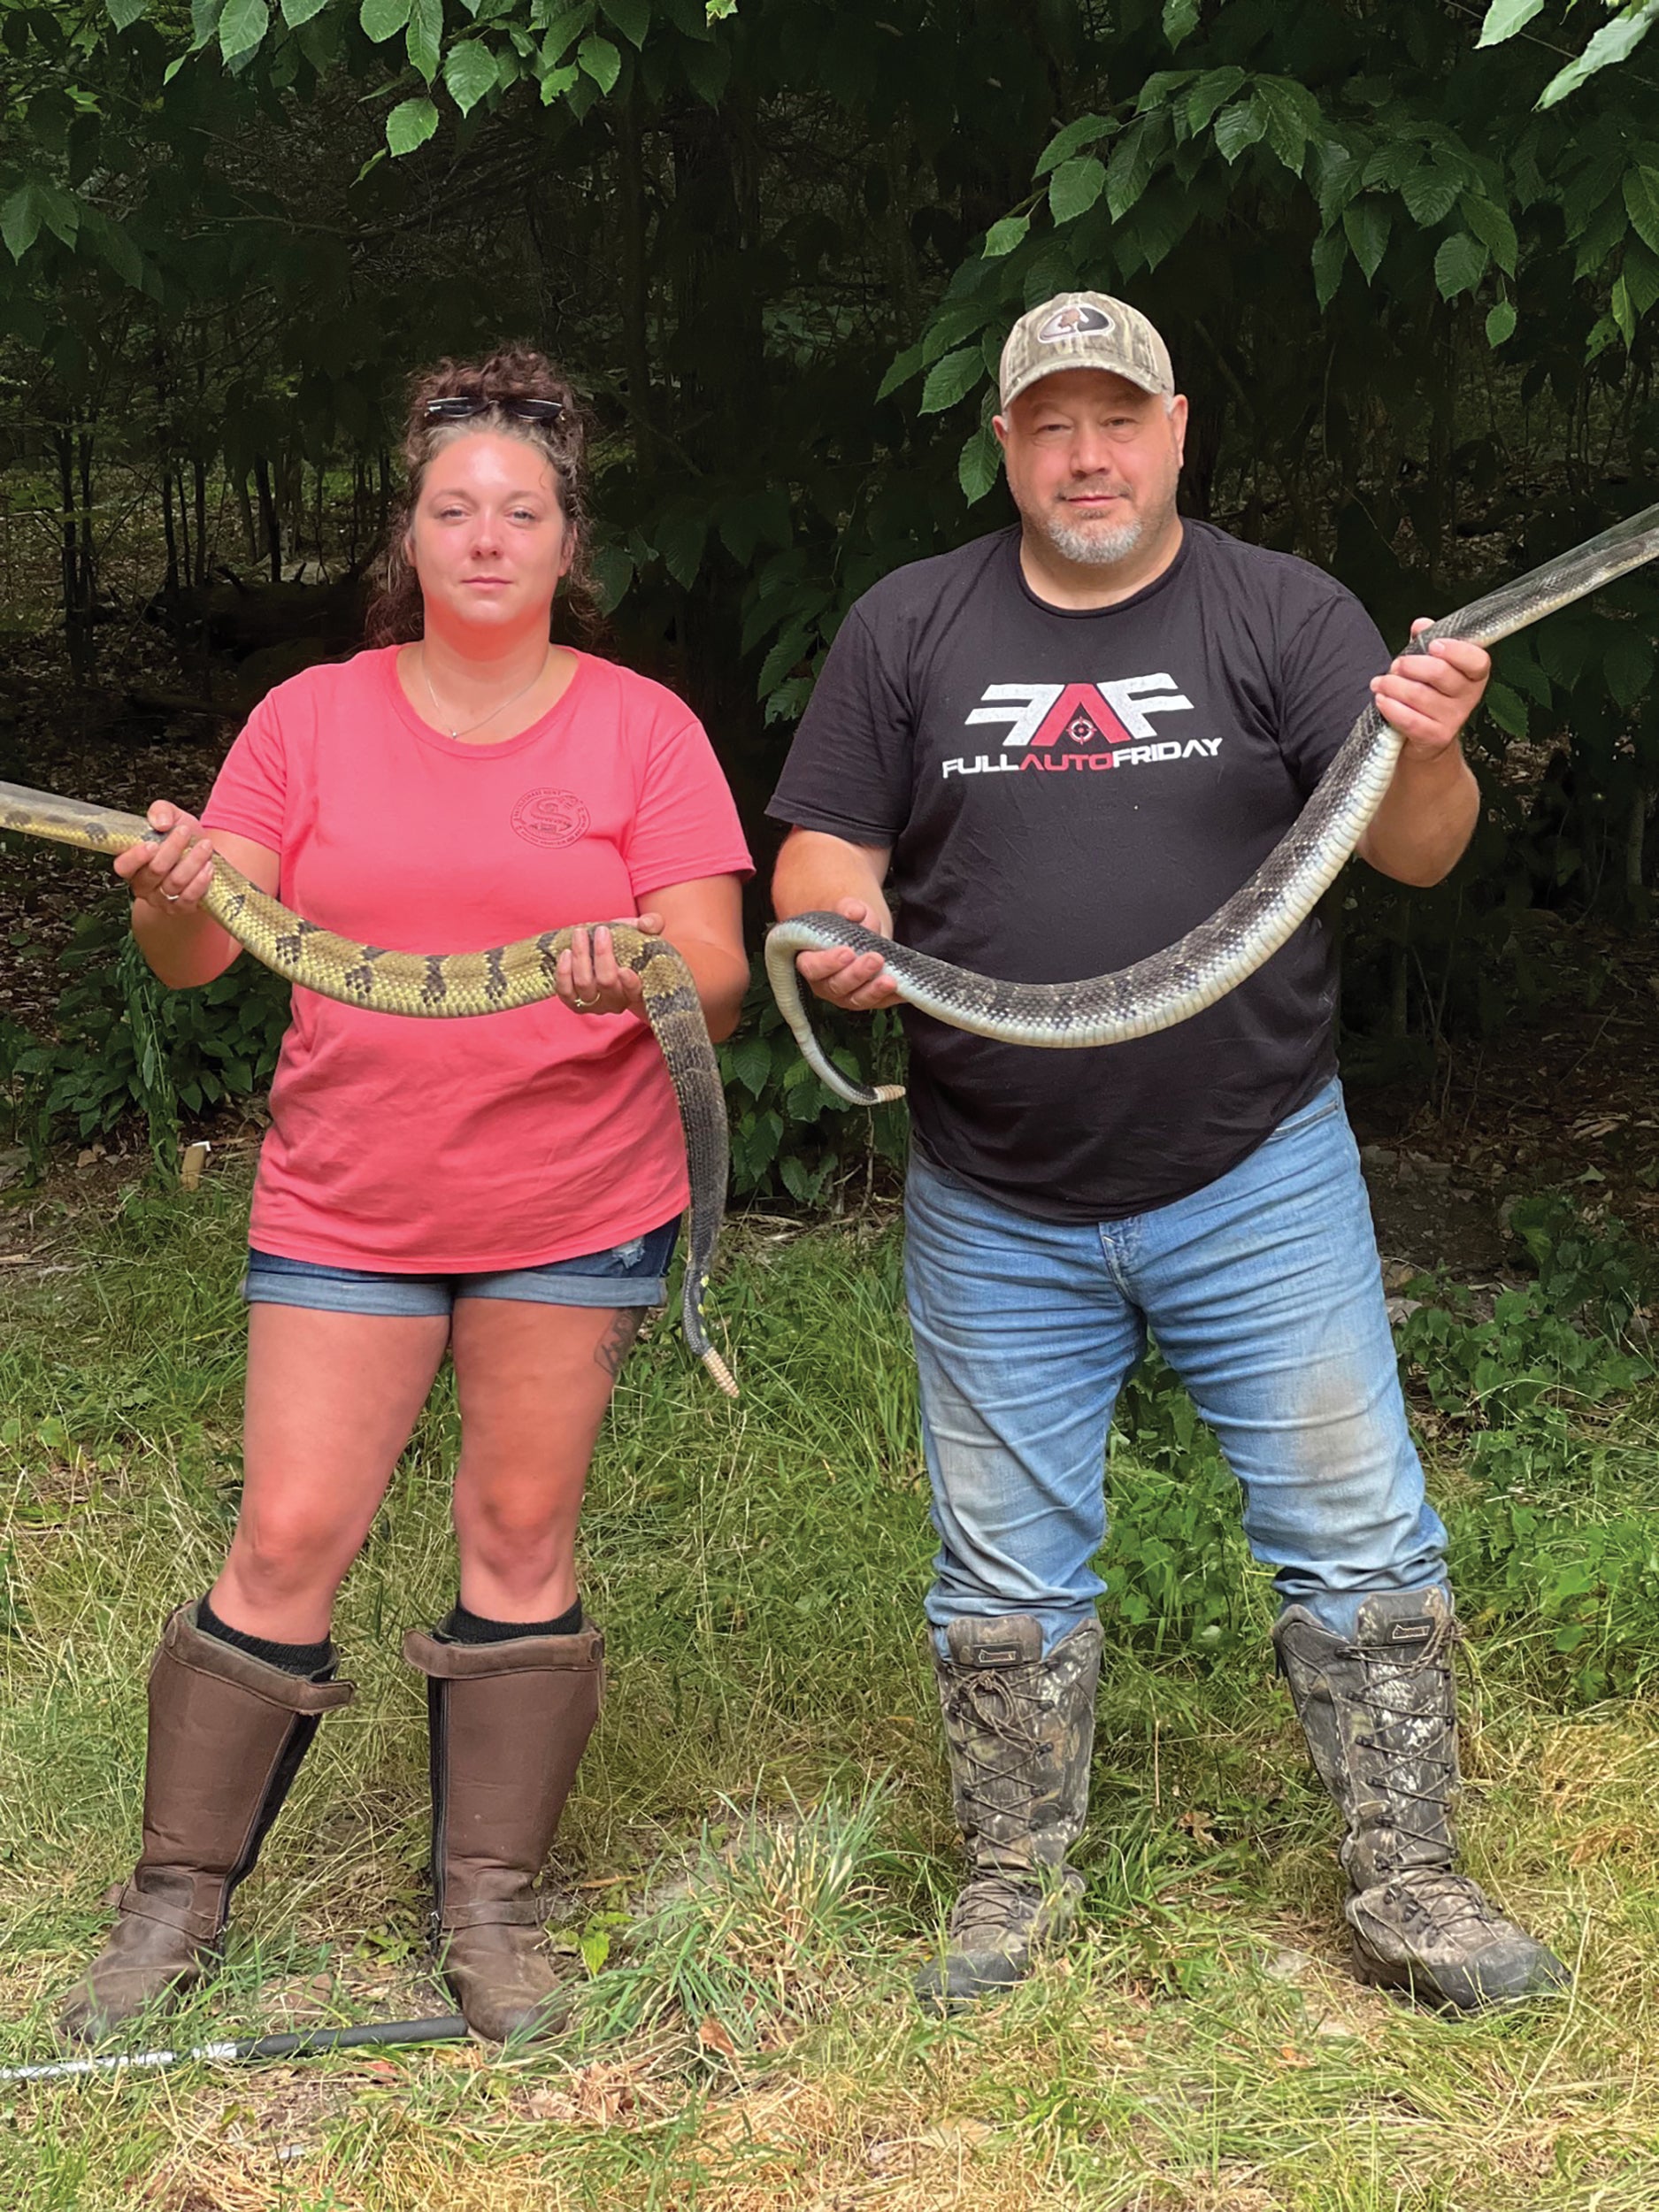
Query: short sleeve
(849,771)
(1325,683)
(685,824)
(249,794)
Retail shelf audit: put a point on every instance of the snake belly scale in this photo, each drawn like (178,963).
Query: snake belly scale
(1216,956)
(456,985)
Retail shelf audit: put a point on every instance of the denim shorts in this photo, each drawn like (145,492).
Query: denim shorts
(629,1274)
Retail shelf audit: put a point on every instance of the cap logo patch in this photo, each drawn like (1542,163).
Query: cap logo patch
(1072,322)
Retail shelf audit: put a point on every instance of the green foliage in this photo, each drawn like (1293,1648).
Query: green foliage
(772,1916)
(791,1137)
(121,1043)
(1545,1536)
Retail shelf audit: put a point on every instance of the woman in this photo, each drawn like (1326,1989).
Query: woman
(506,1189)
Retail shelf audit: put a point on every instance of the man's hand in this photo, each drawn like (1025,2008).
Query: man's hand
(1429,697)
(855,980)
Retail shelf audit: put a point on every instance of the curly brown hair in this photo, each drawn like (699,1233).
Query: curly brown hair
(395,614)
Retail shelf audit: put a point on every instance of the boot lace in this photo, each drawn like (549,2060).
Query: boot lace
(992,1717)
(1413,1743)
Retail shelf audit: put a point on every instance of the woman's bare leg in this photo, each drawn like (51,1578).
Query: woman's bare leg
(533,1383)
(332,1398)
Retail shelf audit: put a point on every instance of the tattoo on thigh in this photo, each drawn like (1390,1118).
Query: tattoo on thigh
(618,1340)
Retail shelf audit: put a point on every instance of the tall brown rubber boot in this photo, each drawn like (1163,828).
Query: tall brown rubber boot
(508,1724)
(227,1735)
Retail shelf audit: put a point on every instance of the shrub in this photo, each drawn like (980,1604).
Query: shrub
(122,1043)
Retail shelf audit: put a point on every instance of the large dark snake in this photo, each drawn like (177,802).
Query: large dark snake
(1209,961)
(450,984)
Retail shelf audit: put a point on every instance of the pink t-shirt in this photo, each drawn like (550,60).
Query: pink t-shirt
(505,1139)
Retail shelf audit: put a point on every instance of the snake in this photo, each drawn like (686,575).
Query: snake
(450,985)
(1212,959)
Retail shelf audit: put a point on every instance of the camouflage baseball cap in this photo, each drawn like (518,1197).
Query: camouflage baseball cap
(1083,330)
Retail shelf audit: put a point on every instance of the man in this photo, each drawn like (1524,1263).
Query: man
(1066,744)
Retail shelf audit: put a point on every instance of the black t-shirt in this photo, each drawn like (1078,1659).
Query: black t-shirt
(1065,792)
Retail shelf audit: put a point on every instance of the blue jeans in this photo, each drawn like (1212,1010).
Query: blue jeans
(1265,1295)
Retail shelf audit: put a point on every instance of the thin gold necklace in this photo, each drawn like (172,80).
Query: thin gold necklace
(490,717)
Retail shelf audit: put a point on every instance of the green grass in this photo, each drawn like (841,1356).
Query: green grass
(759,1845)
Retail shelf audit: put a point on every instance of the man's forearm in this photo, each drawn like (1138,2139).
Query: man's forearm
(1423,827)
(814,873)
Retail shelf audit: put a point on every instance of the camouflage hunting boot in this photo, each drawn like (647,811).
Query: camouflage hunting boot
(1019,1728)
(1381,1716)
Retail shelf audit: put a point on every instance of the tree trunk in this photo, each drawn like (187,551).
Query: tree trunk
(270,526)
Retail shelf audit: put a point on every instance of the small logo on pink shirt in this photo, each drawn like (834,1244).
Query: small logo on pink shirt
(550,817)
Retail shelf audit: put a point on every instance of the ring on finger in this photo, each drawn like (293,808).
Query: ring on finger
(584,1005)
(173,897)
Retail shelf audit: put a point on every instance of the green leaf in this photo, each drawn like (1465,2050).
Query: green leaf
(1493,229)
(1459,264)
(1641,273)
(632,18)
(978,465)
(1129,170)
(1004,236)
(1628,664)
(750,1061)
(205,16)
(1505,18)
(297,11)
(1085,131)
(1501,323)
(1612,42)
(383,19)
(116,246)
(423,43)
(242,25)
(1330,252)
(124,12)
(599,60)
(1506,709)
(470,72)
(1287,131)
(557,82)
(410,123)
(1366,224)
(1239,126)
(613,572)
(680,535)
(706,69)
(1431,193)
(1641,205)
(20,220)
(1622,313)
(1076,185)
(950,380)
(901,370)
(1213,90)
(1180,20)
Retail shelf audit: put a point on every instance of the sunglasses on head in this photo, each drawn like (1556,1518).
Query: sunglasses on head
(463,410)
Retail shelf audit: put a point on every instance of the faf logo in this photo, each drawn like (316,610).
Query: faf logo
(1039,718)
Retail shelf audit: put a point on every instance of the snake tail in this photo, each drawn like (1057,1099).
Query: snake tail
(1201,967)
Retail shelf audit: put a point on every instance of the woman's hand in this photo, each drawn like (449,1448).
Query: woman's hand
(175,872)
(588,979)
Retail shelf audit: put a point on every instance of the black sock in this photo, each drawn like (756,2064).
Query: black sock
(312,1663)
(463,1627)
